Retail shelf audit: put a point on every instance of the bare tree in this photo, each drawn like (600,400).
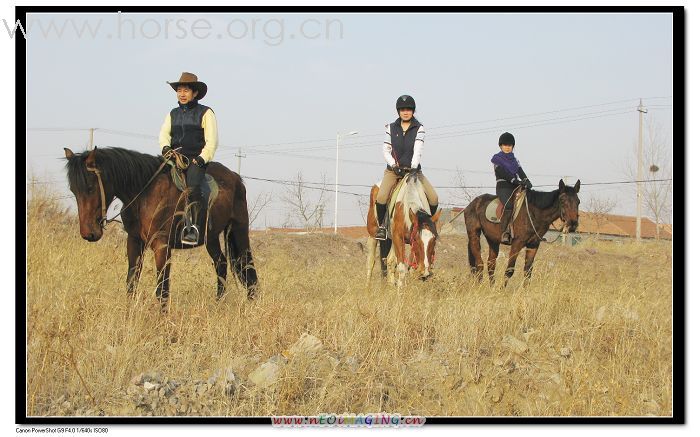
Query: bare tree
(305,208)
(599,208)
(362,206)
(463,193)
(261,201)
(657,166)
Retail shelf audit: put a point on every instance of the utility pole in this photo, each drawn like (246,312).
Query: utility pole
(239,155)
(641,111)
(92,137)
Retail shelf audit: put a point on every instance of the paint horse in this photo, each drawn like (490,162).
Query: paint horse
(152,213)
(539,211)
(409,223)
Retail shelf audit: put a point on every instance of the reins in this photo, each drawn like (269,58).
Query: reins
(180,160)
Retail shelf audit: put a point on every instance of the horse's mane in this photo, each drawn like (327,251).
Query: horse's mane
(125,170)
(543,199)
(414,200)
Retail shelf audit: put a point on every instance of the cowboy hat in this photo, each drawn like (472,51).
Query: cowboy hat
(191,80)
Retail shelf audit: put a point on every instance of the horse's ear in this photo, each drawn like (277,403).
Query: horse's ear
(69,153)
(412,215)
(562,185)
(578,185)
(436,217)
(90,160)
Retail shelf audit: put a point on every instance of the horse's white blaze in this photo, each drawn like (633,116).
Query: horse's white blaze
(425,236)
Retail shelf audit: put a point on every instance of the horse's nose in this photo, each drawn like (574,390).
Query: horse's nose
(574,225)
(89,237)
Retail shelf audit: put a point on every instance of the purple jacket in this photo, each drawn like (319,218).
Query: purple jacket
(507,161)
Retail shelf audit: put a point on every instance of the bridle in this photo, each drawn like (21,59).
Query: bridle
(561,217)
(103,218)
(412,261)
(104,221)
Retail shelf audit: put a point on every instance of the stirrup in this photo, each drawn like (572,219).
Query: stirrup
(506,238)
(381,233)
(186,231)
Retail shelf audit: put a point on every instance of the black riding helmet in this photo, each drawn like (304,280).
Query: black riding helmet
(506,138)
(405,101)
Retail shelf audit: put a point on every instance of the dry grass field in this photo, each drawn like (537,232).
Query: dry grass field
(591,334)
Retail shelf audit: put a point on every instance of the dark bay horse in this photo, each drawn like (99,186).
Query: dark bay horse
(558,204)
(410,224)
(152,212)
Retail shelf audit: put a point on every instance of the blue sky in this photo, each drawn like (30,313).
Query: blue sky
(462,69)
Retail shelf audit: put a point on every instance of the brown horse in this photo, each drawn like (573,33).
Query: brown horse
(152,215)
(540,210)
(410,224)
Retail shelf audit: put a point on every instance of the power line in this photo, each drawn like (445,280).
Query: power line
(447,135)
(317,140)
(292,182)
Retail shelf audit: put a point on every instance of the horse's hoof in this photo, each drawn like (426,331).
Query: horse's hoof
(252,294)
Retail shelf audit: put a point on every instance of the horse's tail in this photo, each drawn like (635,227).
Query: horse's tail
(237,242)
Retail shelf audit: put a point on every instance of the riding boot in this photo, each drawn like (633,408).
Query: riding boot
(195,178)
(505,221)
(190,232)
(381,221)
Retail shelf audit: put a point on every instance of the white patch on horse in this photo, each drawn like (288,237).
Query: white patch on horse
(426,236)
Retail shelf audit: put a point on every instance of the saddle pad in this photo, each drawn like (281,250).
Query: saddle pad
(492,209)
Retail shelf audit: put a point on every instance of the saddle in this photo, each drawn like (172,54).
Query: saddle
(494,210)
(210,190)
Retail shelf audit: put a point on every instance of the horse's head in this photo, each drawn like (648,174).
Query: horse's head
(568,205)
(84,184)
(424,233)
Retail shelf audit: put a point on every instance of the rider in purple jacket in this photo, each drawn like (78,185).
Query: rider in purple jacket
(509,175)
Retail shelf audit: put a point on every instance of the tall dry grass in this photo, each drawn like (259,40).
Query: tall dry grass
(596,321)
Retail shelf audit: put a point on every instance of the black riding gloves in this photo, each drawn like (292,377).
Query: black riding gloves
(199,161)
(165,150)
(526,183)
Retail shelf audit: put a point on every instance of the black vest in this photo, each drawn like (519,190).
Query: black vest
(402,144)
(186,128)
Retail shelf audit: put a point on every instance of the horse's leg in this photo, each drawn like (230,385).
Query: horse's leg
(529,260)
(391,266)
(214,250)
(476,263)
(371,256)
(384,248)
(241,257)
(399,249)
(134,251)
(494,248)
(162,254)
(515,248)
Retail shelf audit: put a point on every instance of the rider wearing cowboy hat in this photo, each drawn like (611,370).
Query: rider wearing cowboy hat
(190,128)
(403,148)
(509,175)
